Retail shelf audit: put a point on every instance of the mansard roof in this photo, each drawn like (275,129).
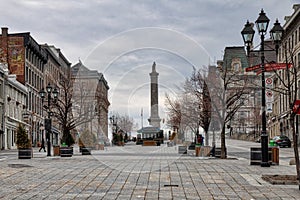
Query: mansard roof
(79,70)
(235,52)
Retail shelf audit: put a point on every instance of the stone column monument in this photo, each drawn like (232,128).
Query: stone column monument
(154,119)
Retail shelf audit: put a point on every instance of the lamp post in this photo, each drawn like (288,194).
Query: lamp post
(262,24)
(48,120)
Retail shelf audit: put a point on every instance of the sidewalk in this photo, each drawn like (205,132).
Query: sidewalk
(136,172)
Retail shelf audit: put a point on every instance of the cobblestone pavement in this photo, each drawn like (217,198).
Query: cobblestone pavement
(136,172)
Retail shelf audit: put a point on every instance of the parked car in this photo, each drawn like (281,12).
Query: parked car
(282,141)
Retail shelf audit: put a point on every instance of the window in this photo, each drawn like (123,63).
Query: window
(1,94)
(292,41)
(299,60)
(26,73)
(296,36)
(29,75)
(299,90)
(280,103)
(299,34)
(236,67)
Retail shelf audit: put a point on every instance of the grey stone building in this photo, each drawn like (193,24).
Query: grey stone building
(246,118)
(92,87)
(289,51)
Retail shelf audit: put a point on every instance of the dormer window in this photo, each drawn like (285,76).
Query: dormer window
(236,67)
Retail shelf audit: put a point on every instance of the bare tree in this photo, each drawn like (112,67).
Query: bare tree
(197,85)
(204,97)
(69,111)
(228,91)
(125,123)
(122,124)
(183,113)
(192,108)
(174,110)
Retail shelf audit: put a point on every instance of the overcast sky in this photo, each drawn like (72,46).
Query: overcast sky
(122,39)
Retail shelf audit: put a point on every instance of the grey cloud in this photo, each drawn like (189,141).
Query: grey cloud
(79,28)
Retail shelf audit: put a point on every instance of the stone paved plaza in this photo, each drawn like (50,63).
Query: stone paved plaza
(136,172)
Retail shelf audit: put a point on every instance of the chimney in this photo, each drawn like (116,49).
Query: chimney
(4,31)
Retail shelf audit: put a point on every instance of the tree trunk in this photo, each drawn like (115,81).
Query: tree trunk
(295,146)
(206,138)
(223,145)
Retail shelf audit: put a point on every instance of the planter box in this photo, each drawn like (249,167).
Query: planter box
(255,155)
(66,151)
(182,149)
(86,150)
(25,153)
(149,143)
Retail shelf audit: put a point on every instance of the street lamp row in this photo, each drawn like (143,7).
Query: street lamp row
(276,32)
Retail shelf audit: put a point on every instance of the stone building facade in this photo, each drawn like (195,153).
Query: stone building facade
(13,103)
(92,87)
(289,51)
(57,68)
(3,75)
(245,119)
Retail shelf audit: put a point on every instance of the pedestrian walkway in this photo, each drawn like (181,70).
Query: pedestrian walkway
(137,172)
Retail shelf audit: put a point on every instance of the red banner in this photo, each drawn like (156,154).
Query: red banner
(252,68)
(269,67)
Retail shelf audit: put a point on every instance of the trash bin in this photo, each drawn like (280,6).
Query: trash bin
(101,147)
(275,155)
(206,150)
(197,150)
(56,151)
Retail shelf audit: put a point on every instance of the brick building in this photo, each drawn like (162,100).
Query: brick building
(26,59)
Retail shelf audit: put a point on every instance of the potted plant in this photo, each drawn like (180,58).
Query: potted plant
(23,143)
(66,149)
(88,141)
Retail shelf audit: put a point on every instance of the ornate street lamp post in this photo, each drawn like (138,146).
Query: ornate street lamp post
(262,24)
(48,121)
